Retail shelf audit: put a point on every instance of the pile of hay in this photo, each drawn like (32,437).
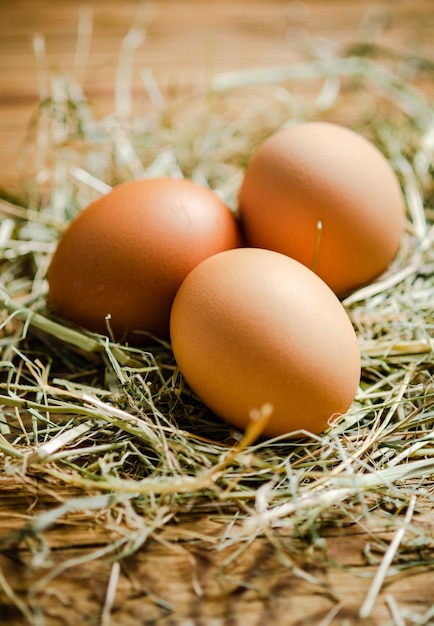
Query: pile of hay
(115,424)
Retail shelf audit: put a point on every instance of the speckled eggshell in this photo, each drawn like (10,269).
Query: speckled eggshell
(327,197)
(125,255)
(251,327)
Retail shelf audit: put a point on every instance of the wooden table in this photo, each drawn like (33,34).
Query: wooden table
(182,583)
(185,43)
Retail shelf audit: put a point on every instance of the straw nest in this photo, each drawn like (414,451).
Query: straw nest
(115,424)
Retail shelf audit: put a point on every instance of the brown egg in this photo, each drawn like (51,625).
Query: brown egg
(125,255)
(251,327)
(326,196)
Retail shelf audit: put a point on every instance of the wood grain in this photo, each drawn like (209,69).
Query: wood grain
(184,574)
(185,42)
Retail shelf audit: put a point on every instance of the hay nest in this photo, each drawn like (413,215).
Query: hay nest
(115,424)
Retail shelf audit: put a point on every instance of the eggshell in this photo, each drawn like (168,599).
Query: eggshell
(126,254)
(326,196)
(253,326)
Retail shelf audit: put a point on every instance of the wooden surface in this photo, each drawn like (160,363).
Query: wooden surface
(190,582)
(181,579)
(186,42)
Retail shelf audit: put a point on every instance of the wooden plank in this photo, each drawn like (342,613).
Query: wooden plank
(185,41)
(181,576)
(186,582)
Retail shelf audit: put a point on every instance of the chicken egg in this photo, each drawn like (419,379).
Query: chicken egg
(253,327)
(326,196)
(122,258)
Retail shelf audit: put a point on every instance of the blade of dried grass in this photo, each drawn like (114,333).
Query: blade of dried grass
(386,562)
(110,594)
(15,599)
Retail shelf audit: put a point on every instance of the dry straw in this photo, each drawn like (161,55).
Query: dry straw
(116,425)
